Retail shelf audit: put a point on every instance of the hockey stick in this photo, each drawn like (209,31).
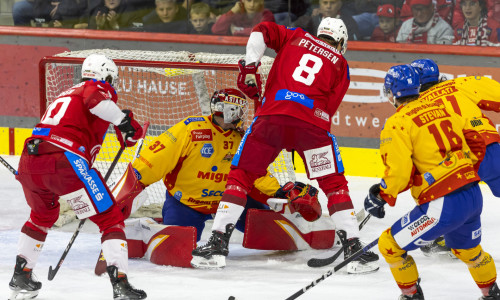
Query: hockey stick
(53,272)
(332,271)
(8,166)
(321,262)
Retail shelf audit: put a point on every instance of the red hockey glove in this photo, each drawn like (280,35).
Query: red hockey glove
(249,81)
(129,131)
(303,198)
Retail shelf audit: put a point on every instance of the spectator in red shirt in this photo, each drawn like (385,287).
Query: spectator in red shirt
(241,19)
(389,23)
(477,29)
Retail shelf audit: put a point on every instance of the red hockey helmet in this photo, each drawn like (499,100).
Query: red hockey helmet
(230,104)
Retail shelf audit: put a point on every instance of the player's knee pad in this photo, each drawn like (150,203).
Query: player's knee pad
(111,220)
(390,249)
(403,267)
(480,264)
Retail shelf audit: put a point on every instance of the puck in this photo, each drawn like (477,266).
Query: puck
(231,298)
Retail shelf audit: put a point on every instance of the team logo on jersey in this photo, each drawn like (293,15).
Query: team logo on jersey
(321,114)
(320,161)
(429,178)
(178,195)
(41,131)
(137,174)
(228,157)
(194,119)
(285,94)
(383,184)
(81,149)
(199,135)
(207,150)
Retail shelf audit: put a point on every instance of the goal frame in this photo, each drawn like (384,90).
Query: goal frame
(119,62)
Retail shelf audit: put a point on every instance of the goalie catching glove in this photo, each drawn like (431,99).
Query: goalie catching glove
(129,131)
(374,205)
(249,81)
(303,198)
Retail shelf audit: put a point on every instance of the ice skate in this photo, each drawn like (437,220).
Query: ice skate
(365,263)
(493,294)
(122,289)
(213,254)
(419,295)
(22,284)
(437,247)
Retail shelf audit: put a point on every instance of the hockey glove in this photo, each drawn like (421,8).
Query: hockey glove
(249,81)
(129,131)
(374,205)
(303,198)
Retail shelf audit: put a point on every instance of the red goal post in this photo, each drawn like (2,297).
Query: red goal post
(162,87)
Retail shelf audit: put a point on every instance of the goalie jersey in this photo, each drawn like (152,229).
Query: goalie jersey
(193,158)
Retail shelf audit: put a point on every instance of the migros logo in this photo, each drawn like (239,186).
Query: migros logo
(216,177)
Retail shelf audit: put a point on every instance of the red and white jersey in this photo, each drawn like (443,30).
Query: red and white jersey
(79,117)
(308,79)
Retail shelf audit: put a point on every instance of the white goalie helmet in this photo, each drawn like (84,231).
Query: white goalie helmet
(99,67)
(335,29)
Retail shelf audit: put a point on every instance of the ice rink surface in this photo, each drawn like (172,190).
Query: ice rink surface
(249,275)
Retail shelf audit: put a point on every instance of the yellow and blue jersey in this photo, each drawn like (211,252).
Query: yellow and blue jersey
(193,158)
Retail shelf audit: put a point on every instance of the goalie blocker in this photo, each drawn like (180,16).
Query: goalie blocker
(287,226)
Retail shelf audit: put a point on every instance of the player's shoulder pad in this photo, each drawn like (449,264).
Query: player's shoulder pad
(102,87)
(194,119)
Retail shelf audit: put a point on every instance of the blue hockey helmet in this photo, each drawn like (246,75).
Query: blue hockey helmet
(402,81)
(427,69)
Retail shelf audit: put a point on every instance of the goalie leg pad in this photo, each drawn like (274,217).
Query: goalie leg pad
(172,246)
(161,244)
(269,230)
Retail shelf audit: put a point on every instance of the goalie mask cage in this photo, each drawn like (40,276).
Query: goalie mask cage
(162,87)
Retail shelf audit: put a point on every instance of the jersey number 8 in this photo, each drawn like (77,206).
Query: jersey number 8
(305,69)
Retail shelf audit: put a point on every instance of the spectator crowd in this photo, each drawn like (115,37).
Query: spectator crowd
(458,22)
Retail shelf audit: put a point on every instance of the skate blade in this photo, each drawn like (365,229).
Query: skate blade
(357,267)
(215,262)
(23,294)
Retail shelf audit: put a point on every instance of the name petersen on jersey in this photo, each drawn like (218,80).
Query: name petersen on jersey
(309,45)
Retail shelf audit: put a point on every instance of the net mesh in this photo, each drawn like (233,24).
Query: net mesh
(160,91)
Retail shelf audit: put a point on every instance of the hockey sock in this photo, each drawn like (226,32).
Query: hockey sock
(115,250)
(346,220)
(481,266)
(31,243)
(403,267)
(227,213)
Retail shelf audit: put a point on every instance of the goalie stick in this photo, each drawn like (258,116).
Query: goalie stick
(334,270)
(52,272)
(321,262)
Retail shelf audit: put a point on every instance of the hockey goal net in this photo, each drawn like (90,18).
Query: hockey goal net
(162,87)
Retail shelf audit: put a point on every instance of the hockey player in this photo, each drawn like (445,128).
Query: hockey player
(57,163)
(193,160)
(434,153)
(305,86)
(465,96)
